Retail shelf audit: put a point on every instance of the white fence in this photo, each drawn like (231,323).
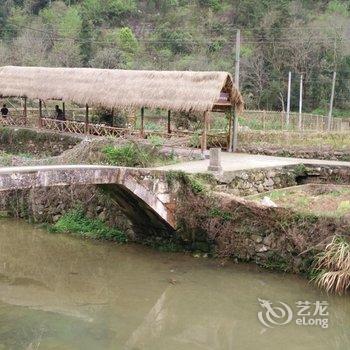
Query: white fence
(269,120)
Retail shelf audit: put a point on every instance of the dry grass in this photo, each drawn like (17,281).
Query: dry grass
(115,88)
(333,266)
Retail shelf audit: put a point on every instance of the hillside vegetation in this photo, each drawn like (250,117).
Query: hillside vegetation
(306,37)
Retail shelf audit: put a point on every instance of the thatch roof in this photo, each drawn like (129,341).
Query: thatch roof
(179,91)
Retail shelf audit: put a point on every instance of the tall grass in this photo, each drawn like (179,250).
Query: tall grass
(332,266)
(133,155)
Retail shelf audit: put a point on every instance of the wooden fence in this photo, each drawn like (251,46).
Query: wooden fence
(254,120)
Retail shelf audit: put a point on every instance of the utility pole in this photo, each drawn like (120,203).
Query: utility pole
(235,117)
(300,102)
(329,124)
(288,97)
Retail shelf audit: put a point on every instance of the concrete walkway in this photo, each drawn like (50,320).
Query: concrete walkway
(242,161)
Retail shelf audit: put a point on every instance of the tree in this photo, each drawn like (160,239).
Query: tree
(110,58)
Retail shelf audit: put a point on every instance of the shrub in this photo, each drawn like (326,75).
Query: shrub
(127,155)
(178,41)
(117,8)
(213,4)
(332,266)
(127,40)
(131,155)
(76,222)
(156,141)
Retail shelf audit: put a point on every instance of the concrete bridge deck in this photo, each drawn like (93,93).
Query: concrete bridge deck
(242,161)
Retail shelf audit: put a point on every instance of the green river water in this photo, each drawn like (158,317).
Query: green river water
(60,292)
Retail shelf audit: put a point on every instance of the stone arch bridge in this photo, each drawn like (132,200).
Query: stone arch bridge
(143,195)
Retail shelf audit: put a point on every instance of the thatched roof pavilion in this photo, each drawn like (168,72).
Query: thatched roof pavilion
(115,88)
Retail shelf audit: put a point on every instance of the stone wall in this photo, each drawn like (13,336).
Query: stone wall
(234,228)
(247,182)
(37,143)
(47,205)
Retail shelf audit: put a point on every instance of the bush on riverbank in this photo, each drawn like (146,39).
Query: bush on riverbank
(332,266)
(78,223)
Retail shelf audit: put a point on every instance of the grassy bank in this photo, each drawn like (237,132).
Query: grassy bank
(77,223)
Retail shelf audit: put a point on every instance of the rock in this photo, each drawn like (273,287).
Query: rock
(256,238)
(268,239)
(244,176)
(271,174)
(269,182)
(55,218)
(102,216)
(266,201)
(260,188)
(261,248)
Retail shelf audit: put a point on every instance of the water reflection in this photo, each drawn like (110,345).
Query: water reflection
(57,292)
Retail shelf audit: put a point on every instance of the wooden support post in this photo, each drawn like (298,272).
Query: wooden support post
(204,140)
(169,122)
(142,121)
(40,114)
(64,109)
(86,119)
(25,110)
(112,116)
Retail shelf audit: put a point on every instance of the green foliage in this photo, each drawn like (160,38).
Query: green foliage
(191,35)
(300,170)
(173,176)
(336,6)
(117,8)
(178,41)
(276,262)
(156,141)
(213,4)
(218,213)
(77,223)
(126,155)
(196,185)
(127,40)
(133,155)
(92,10)
(71,23)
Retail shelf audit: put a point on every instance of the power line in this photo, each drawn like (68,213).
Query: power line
(57,37)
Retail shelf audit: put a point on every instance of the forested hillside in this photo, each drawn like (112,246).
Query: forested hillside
(307,37)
